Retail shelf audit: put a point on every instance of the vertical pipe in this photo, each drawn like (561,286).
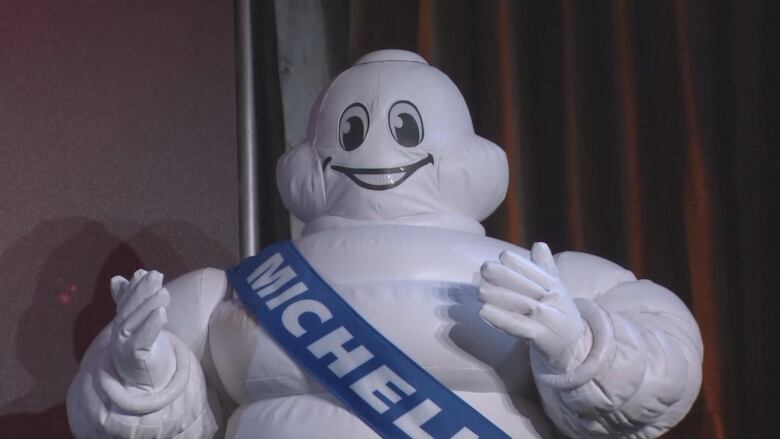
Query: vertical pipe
(699,234)
(247,131)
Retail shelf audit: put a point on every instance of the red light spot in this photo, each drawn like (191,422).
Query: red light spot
(65,295)
(64,298)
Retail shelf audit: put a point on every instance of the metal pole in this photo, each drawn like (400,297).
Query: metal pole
(247,131)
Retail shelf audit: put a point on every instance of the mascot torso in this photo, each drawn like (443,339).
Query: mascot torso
(416,286)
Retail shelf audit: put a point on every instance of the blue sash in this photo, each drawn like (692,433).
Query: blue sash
(387,389)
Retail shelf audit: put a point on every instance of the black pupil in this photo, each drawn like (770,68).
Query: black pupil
(408,134)
(354,137)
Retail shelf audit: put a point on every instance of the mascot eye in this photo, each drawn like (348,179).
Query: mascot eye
(406,124)
(353,126)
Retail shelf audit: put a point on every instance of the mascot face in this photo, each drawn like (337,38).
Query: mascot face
(392,138)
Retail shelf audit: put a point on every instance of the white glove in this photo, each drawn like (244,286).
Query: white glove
(526,299)
(141,352)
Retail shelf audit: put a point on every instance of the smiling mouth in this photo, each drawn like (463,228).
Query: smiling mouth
(380,179)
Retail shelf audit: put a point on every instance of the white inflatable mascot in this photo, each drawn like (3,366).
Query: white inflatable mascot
(392,183)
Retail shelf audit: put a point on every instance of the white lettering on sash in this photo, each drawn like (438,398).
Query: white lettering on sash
(465,433)
(267,278)
(287,295)
(376,381)
(333,343)
(411,422)
(292,314)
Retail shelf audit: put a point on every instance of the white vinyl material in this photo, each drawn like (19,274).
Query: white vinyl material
(540,345)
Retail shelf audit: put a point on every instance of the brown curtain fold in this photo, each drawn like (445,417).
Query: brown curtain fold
(507,106)
(636,131)
(571,126)
(628,140)
(699,232)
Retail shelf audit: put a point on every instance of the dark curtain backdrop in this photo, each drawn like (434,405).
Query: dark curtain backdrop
(636,131)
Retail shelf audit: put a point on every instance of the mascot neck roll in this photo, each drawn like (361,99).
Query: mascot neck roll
(392,182)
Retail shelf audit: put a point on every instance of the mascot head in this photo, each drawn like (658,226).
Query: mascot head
(391,141)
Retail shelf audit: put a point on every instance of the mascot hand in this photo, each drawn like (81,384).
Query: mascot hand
(525,298)
(142,353)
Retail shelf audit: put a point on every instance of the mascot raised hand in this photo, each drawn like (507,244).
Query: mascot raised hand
(393,315)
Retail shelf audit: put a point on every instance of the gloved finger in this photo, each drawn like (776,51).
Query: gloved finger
(143,338)
(138,275)
(160,300)
(514,324)
(134,280)
(150,284)
(118,287)
(542,256)
(527,268)
(507,299)
(505,277)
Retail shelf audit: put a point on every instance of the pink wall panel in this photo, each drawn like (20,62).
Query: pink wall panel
(117,151)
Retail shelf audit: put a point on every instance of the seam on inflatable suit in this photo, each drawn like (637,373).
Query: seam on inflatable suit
(198,421)
(690,344)
(275,378)
(200,301)
(456,368)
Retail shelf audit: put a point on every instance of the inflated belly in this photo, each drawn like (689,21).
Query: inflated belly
(320,416)
(435,323)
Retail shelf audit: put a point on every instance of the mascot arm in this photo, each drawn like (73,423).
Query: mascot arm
(642,370)
(103,403)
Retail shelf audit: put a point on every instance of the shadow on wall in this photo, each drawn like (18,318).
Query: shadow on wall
(70,304)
